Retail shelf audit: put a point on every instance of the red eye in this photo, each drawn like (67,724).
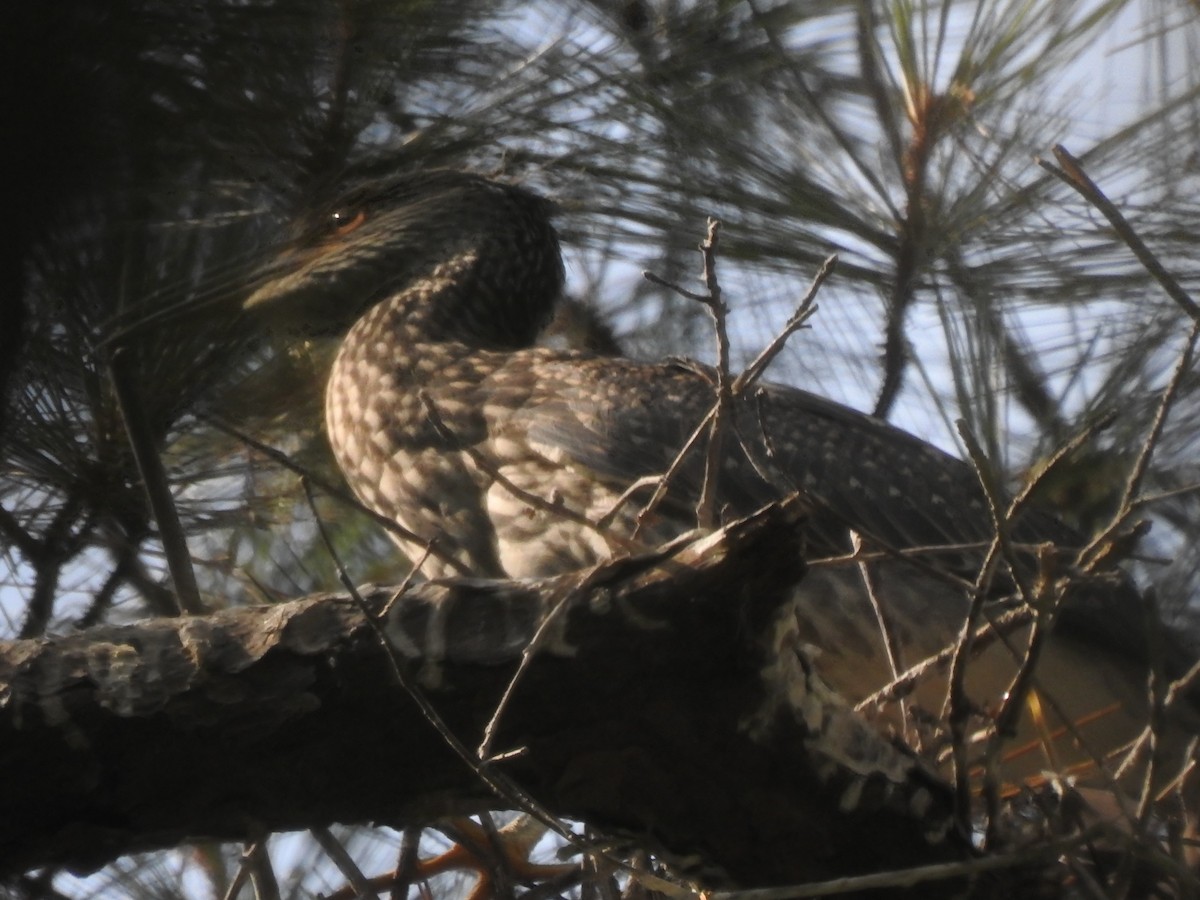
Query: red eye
(346,221)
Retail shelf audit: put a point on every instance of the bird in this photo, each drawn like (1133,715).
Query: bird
(516,460)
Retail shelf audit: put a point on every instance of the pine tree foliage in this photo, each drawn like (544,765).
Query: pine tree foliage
(162,148)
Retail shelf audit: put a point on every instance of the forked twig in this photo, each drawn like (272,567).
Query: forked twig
(1003,513)
(240,876)
(1176,693)
(999,630)
(1103,546)
(706,506)
(920,671)
(727,389)
(1044,601)
(1005,722)
(804,311)
(627,495)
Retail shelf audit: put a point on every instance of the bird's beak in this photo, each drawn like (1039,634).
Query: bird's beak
(291,294)
(272,284)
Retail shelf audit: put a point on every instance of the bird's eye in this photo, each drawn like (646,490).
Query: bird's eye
(345,221)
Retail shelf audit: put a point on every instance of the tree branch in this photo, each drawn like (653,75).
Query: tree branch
(657,706)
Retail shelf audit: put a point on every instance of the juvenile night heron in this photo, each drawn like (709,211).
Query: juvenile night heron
(445,417)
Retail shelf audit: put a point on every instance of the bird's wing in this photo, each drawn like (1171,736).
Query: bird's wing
(622,421)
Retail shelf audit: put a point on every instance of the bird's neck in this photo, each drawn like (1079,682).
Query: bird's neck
(480,297)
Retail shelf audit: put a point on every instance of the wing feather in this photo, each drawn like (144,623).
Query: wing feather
(607,416)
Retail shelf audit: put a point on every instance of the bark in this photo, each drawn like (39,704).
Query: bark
(655,705)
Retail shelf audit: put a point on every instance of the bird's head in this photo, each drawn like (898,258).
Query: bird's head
(469,258)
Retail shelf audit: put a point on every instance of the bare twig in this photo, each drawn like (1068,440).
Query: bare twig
(1179,691)
(1073,174)
(887,631)
(1043,601)
(337,853)
(712,301)
(805,310)
(1169,494)
(998,629)
(1155,728)
(726,388)
(664,484)
(1002,513)
(914,556)
(718,417)
(406,863)
(918,672)
(417,566)
(706,509)
(262,874)
(1046,596)
(993,628)
(670,285)
(654,481)
(240,877)
(1093,553)
(527,654)
(957,706)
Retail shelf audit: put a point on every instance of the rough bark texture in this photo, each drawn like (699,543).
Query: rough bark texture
(655,705)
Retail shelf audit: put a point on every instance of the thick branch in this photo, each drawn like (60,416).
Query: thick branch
(656,707)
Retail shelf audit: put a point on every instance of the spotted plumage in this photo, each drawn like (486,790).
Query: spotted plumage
(445,417)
